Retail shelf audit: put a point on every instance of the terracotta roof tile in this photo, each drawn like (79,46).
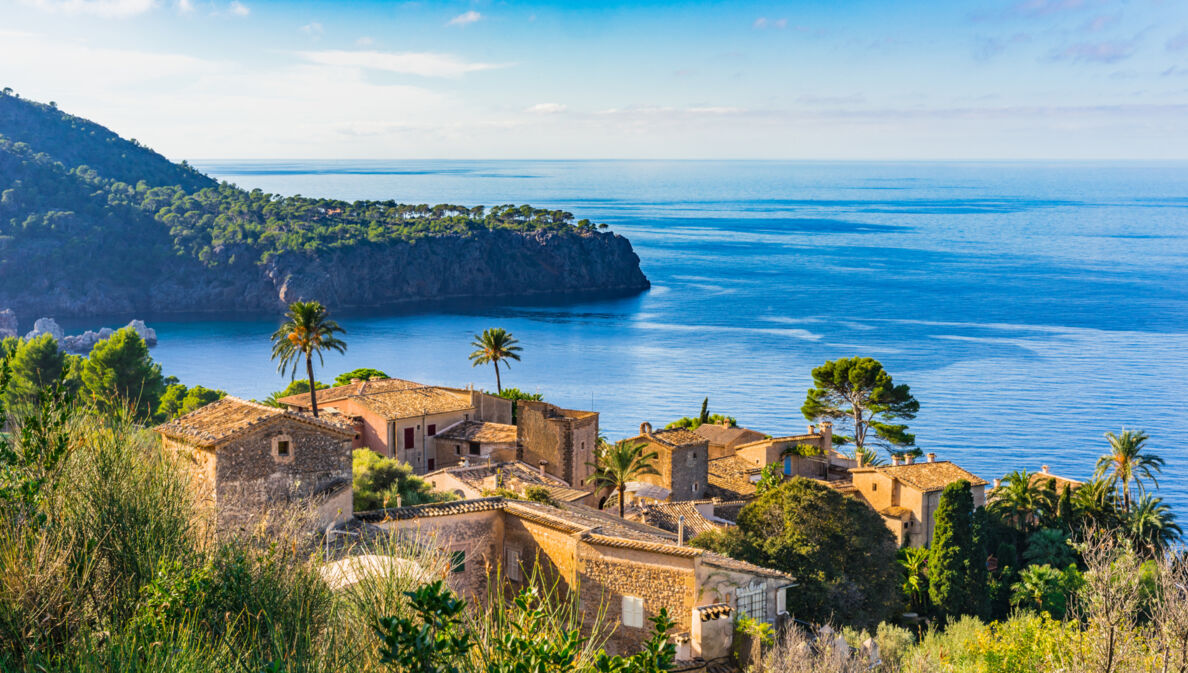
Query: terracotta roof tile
(666,516)
(431,510)
(351,390)
(1041,479)
(513,475)
(730,477)
(714,611)
(224,419)
(391,398)
(926,476)
(479,431)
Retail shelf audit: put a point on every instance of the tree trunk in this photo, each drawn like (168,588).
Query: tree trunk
(313,397)
(498,384)
(622,488)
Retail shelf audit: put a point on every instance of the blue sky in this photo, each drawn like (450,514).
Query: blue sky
(841,79)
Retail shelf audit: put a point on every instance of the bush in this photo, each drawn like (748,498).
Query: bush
(378,480)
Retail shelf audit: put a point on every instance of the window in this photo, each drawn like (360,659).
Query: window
(457,449)
(458,561)
(282,448)
(633,612)
(474,449)
(432,429)
(694,489)
(788,465)
(874,486)
(409,438)
(513,565)
(782,600)
(753,601)
(432,461)
(466,417)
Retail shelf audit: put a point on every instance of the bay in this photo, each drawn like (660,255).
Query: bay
(1032,307)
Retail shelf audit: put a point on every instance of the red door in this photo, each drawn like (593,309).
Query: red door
(408,438)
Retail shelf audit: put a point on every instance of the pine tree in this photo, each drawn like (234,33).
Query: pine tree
(703,418)
(953,570)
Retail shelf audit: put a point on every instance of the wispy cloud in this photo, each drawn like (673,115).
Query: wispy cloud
(185,6)
(989,47)
(238,8)
(1109,51)
(547,108)
(1101,22)
(465,19)
(1046,7)
(1178,42)
(313,28)
(764,22)
(424,64)
(364,41)
(104,8)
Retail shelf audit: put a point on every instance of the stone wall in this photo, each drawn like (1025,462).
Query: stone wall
(661,581)
(550,552)
(479,535)
(689,472)
(564,438)
(249,478)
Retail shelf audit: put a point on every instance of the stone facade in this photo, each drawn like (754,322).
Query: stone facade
(907,495)
(245,459)
(564,438)
(682,461)
(610,562)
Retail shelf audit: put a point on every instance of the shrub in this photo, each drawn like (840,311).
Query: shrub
(378,480)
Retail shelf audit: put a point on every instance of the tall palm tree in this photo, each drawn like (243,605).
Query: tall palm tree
(1015,500)
(1128,462)
(306,330)
(493,346)
(1096,503)
(1152,524)
(621,462)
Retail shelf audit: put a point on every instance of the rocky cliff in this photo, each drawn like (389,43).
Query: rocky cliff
(483,264)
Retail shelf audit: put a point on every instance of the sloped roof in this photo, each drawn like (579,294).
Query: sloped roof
(1041,478)
(926,477)
(351,390)
(666,516)
(391,398)
(225,419)
(515,476)
(724,435)
(586,523)
(730,477)
(479,431)
(676,437)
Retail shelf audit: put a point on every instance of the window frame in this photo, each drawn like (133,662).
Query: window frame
(632,612)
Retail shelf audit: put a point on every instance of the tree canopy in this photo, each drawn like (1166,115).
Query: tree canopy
(362,373)
(120,372)
(859,394)
(838,548)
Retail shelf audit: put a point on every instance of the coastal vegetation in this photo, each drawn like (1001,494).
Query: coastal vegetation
(493,346)
(617,464)
(692,423)
(379,483)
(859,394)
(306,331)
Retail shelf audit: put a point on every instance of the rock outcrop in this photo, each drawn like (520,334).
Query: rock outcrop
(8,324)
(79,343)
(490,263)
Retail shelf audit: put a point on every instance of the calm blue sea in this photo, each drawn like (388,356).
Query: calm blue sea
(1031,307)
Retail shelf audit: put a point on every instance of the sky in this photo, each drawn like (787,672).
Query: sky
(814,79)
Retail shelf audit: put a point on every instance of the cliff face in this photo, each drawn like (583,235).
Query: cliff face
(482,264)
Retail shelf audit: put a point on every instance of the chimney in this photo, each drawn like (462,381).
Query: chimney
(812,429)
(399,501)
(541,464)
(1044,469)
(680,530)
(826,437)
(895,459)
(356,380)
(997,483)
(645,428)
(932,457)
(909,459)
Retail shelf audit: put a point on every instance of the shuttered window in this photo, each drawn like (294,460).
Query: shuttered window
(633,612)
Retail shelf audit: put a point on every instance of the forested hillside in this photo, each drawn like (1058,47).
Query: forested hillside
(93,223)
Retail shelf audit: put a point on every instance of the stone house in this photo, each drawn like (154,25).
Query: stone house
(565,439)
(399,419)
(479,480)
(723,438)
(682,461)
(245,457)
(732,478)
(629,569)
(475,441)
(907,495)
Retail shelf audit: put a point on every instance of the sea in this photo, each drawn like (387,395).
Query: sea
(1031,307)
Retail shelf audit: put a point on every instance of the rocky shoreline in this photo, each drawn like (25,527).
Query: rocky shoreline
(490,263)
(80,344)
